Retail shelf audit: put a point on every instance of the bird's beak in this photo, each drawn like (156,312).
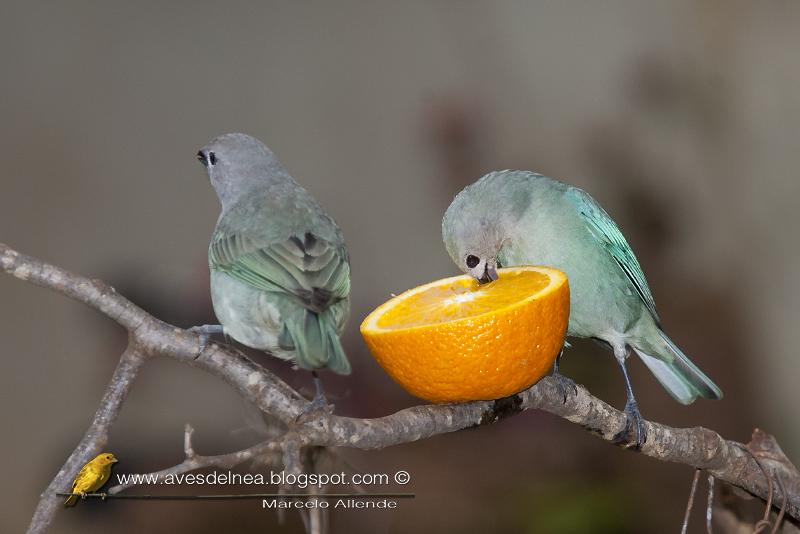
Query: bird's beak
(489,274)
(114,461)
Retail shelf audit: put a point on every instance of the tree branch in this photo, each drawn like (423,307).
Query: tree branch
(698,447)
(194,461)
(93,441)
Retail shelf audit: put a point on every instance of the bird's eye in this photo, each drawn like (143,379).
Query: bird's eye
(472,261)
(108,457)
(207,158)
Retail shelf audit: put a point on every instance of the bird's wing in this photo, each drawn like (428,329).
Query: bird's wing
(312,269)
(83,479)
(607,233)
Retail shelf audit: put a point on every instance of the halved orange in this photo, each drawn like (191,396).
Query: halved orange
(455,340)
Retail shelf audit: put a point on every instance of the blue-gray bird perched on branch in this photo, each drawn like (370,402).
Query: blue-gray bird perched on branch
(280,272)
(512,218)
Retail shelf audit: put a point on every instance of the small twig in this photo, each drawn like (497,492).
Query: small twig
(195,461)
(764,522)
(305,518)
(347,466)
(709,503)
(317,515)
(782,511)
(188,450)
(293,464)
(690,504)
(292,461)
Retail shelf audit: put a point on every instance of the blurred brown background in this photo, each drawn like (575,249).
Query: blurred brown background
(681,118)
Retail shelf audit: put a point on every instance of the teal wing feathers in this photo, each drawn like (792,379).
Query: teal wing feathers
(313,270)
(608,235)
(309,278)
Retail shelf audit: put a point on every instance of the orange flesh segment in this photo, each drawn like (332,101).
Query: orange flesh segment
(465,298)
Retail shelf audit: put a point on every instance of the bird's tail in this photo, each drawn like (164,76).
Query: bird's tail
(676,372)
(71,500)
(315,341)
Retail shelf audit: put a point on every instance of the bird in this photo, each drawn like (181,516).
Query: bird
(280,269)
(91,477)
(512,217)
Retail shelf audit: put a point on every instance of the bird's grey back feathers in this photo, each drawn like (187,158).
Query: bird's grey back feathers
(272,237)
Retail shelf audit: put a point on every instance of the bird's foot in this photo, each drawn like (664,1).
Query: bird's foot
(634,427)
(564,384)
(103,496)
(83,495)
(204,332)
(318,406)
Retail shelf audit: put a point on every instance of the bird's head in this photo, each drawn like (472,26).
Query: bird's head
(105,458)
(474,247)
(474,239)
(479,226)
(236,163)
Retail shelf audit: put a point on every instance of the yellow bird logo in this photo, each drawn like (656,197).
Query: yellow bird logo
(92,476)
